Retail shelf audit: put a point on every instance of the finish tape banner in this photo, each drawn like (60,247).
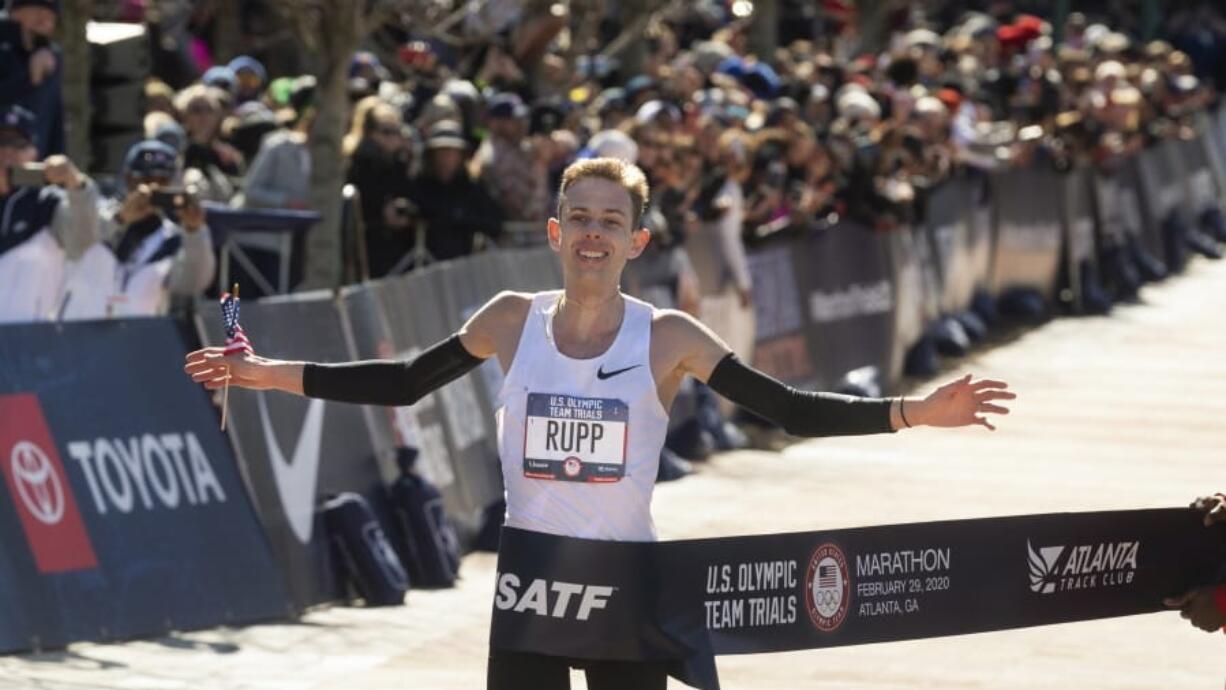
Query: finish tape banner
(687,600)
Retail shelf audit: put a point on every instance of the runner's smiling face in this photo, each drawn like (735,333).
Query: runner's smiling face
(594,237)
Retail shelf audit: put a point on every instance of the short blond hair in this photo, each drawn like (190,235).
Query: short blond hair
(626,175)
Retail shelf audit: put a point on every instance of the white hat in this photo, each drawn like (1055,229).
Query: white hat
(858,104)
(612,143)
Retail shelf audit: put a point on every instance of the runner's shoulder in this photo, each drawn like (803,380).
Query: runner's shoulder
(509,304)
(674,327)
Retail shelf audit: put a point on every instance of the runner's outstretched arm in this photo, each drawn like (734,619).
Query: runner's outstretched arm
(370,382)
(700,353)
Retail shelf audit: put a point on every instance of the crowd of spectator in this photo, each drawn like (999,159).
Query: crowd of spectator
(453,148)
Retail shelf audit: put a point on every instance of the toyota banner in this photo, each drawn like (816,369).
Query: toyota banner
(123,512)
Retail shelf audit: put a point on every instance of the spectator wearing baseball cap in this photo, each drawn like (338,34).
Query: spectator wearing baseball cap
(30,69)
(250,77)
(513,168)
(453,207)
(156,234)
(41,224)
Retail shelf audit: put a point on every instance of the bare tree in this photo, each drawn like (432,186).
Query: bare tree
(330,31)
(76,67)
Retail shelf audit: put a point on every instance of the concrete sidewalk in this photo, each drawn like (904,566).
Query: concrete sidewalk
(1127,411)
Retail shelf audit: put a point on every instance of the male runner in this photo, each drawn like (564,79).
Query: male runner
(590,377)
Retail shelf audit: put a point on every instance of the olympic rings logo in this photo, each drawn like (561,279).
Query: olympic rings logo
(828,588)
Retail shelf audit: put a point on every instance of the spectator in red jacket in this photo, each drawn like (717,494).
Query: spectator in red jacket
(1205,607)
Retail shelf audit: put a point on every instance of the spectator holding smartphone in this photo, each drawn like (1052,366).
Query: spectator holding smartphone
(162,249)
(30,73)
(46,216)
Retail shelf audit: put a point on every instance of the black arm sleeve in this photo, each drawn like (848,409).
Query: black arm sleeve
(800,413)
(389,382)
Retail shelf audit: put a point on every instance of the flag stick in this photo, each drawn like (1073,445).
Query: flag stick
(225,395)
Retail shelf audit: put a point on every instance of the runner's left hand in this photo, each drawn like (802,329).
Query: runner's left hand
(1199,607)
(1212,507)
(962,403)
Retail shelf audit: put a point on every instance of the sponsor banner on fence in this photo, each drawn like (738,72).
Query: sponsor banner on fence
(849,292)
(953,243)
(298,451)
(780,592)
(1028,235)
(124,512)
(1159,188)
(780,348)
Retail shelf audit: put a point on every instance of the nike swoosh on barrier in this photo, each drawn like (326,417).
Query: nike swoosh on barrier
(602,374)
(295,480)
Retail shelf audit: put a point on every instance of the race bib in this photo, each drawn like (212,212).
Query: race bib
(575,439)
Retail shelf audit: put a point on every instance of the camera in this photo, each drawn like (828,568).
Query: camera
(172,198)
(28,175)
(404,208)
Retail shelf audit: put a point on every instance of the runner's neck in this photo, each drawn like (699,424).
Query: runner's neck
(586,324)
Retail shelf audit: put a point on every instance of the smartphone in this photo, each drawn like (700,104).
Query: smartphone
(27,175)
(168,198)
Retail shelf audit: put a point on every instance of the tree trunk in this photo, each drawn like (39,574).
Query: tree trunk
(227,31)
(341,28)
(764,31)
(75,16)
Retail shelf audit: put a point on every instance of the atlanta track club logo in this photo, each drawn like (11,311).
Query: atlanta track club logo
(827,588)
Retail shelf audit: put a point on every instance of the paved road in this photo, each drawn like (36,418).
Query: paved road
(1121,412)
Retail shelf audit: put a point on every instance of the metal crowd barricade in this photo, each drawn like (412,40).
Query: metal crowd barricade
(236,231)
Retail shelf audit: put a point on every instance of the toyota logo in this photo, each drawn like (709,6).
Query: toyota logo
(37,483)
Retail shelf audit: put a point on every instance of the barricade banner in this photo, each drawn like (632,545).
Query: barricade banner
(1211,125)
(297,451)
(1214,140)
(125,514)
(1117,202)
(849,295)
(1077,225)
(982,225)
(374,336)
(915,297)
(780,347)
(1192,161)
(952,241)
(780,592)
(1160,189)
(1026,253)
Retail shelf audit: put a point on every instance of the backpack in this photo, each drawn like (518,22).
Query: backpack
(368,559)
(430,545)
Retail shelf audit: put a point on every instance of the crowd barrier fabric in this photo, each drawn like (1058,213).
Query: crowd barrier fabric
(954,241)
(1076,205)
(1160,188)
(781,592)
(915,296)
(125,513)
(781,348)
(1026,251)
(825,305)
(297,451)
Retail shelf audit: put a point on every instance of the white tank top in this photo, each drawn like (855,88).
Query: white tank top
(580,439)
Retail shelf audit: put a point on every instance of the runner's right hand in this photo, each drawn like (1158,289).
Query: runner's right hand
(210,367)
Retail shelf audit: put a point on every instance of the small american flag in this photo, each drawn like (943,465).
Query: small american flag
(827,577)
(236,339)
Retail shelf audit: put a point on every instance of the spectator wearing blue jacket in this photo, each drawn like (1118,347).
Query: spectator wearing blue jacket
(30,69)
